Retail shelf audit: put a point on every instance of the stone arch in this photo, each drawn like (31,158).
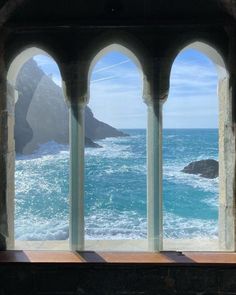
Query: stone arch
(20,59)
(226,142)
(127,52)
(12,74)
(213,54)
(14,67)
(132,57)
(210,50)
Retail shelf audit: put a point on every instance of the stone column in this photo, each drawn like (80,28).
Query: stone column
(226,169)
(77,177)
(154,176)
(6,159)
(76,93)
(3,178)
(10,159)
(227,150)
(154,98)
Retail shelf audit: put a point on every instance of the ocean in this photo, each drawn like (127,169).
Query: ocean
(115,188)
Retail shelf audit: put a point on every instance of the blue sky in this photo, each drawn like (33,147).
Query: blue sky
(116,91)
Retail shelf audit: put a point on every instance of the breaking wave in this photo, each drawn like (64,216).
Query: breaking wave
(115,189)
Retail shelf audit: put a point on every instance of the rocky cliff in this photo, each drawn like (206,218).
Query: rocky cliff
(41,114)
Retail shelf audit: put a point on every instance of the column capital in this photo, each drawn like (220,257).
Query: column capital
(156,81)
(75,93)
(75,82)
(152,100)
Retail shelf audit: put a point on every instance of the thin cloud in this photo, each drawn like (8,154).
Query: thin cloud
(110,67)
(123,73)
(108,87)
(191,80)
(103,79)
(116,92)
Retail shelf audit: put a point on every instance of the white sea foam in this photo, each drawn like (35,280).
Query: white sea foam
(116,226)
(107,151)
(119,169)
(170,136)
(50,162)
(112,148)
(174,174)
(110,224)
(179,227)
(37,229)
(47,149)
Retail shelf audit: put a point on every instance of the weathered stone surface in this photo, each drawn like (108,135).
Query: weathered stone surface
(3,245)
(208,168)
(136,278)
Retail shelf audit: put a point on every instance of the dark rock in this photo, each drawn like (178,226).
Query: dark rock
(96,129)
(41,114)
(208,168)
(23,131)
(89,143)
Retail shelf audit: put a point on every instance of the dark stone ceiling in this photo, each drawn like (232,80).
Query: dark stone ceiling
(229,6)
(115,12)
(127,11)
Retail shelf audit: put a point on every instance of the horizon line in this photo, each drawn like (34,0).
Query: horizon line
(186,128)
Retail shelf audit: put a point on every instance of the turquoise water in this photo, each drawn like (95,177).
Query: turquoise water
(115,188)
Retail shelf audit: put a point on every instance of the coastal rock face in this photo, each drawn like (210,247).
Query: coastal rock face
(95,129)
(41,114)
(23,131)
(89,143)
(208,168)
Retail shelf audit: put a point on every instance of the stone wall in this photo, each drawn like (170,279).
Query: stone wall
(116,279)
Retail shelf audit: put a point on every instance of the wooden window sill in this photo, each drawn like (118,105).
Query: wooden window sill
(163,258)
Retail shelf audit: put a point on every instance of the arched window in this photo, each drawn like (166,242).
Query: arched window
(192,151)
(112,199)
(115,159)
(42,152)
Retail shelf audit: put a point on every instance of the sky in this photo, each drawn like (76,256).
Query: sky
(116,91)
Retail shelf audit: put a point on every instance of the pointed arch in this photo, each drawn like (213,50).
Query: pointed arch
(25,112)
(21,58)
(129,133)
(226,140)
(121,49)
(213,54)
(208,50)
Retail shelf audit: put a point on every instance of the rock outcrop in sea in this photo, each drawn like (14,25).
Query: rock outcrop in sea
(41,113)
(208,168)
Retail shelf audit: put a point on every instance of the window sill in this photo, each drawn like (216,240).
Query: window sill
(163,258)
